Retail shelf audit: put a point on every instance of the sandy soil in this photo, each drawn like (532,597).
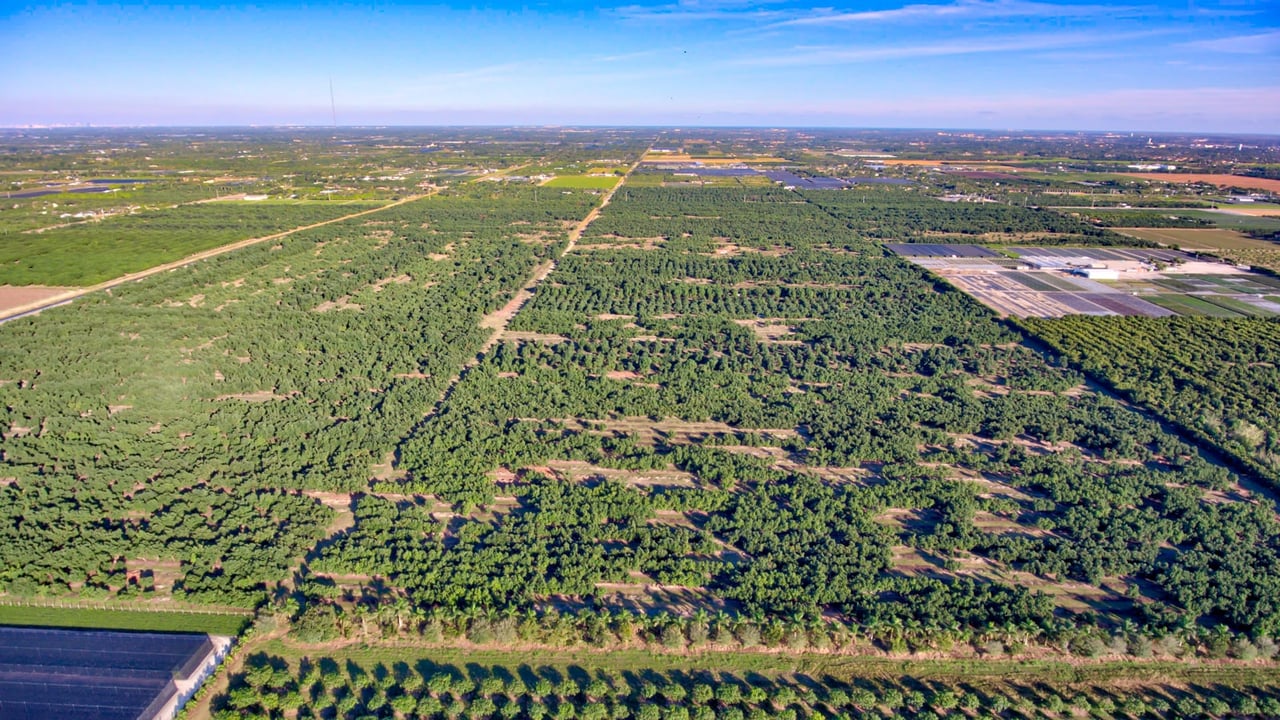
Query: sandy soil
(1221,180)
(14,298)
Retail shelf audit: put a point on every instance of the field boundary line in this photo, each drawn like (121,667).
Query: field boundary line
(64,298)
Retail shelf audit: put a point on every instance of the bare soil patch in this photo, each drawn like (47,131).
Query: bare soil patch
(579,469)
(342,303)
(771,330)
(725,248)
(520,335)
(1219,179)
(15,298)
(398,280)
(256,396)
(670,429)
(617,242)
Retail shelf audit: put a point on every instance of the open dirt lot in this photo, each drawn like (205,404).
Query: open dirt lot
(15,298)
(1221,180)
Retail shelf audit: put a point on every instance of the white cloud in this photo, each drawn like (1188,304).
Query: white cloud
(961,9)
(1257,44)
(701,10)
(850,54)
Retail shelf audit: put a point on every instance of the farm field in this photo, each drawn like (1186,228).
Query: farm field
(1224,219)
(703,177)
(82,255)
(597,685)
(1232,246)
(278,342)
(1219,179)
(712,160)
(694,445)
(1199,239)
(1216,377)
(1151,282)
(902,214)
(595,182)
(212,622)
(640,439)
(1256,209)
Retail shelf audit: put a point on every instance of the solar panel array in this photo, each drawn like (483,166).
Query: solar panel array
(941,250)
(48,674)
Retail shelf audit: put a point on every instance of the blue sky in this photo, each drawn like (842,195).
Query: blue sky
(1181,65)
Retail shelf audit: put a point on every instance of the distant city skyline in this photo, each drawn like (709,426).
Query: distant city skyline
(1026,64)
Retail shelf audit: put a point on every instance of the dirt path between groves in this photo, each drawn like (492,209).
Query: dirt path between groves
(71,294)
(273,628)
(496,322)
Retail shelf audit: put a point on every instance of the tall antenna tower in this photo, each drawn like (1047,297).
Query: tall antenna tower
(333,106)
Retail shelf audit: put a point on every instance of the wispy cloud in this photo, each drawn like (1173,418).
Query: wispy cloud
(849,54)
(483,73)
(767,12)
(1257,44)
(703,10)
(959,10)
(637,55)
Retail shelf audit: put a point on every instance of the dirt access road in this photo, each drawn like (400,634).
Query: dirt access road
(496,322)
(499,319)
(11,313)
(14,311)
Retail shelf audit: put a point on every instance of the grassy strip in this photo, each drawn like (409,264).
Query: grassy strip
(775,665)
(1235,305)
(1191,305)
(103,619)
(584,182)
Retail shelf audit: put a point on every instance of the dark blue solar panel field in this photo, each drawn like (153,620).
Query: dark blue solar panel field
(91,674)
(941,250)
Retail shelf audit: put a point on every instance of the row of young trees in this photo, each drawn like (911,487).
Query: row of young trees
(271,687)
(906,215)
(1215,377)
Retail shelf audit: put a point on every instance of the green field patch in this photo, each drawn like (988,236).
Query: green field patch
(1234,221)
(1243,284)
(1198,239)
(112,619)
(584,182)
(86,254)
(1182,284)
(1234,305)
(1034,282)
(1192,305)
